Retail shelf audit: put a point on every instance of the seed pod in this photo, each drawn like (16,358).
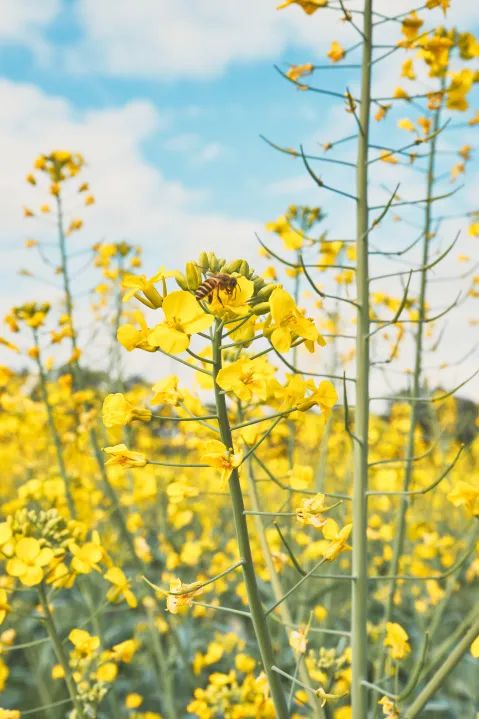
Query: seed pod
(193,276)
(261,309)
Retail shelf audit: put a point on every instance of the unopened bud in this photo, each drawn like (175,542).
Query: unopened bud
(181,281)
(261,309)
(193,276)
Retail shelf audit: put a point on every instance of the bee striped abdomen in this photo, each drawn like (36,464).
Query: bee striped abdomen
(206,288)
(218,282)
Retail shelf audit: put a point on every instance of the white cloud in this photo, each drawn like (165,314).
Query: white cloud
(19,18)
(191,39)
(23,21)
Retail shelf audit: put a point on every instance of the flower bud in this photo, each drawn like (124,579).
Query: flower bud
(213,262)
(181,281)
(193,276)
(265,292)
(203,261)
(232,266)
(244,268)
(261,309)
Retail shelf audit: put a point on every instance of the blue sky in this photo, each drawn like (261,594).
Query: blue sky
(167,100)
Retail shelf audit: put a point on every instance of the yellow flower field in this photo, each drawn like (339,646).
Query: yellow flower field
(279,516)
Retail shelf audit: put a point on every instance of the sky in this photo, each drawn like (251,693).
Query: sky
(167,101)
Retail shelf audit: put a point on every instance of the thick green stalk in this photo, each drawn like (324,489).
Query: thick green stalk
(283,609)
(399,535)
(257,614)
(360,483)
(443,672)
(60,654)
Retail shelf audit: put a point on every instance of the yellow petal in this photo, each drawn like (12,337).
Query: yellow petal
(168,339)
(27,549)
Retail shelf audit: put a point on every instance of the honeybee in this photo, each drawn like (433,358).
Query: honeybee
(216,283)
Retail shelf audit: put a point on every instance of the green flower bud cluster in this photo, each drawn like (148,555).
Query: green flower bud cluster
(209,264)
(49,527)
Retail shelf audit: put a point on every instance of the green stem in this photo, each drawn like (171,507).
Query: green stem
(163,668)
(437,681)
(359,639)
(257,614)
(399,535)
(53,427)
(64,267)
(284,613)
(60,653)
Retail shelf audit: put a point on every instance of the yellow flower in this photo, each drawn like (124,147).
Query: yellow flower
(444,4)
(410,27)
(121,586)
(131,337)
(86,558)
(325,697)
(84,643)
(408,69)
(325,397)
(298,641)
(107,672)
(475,648)
(216,454)
(465,495)
(297,71)
(461,84)
(398,640)
(388,157)
(406,124)
(181,597)
(144,289)
(473,230)
(246,378)
(6,535)
(336,52)
(166,391)
(117,411)
(4,606)
(9,714)
(121,455)
(133,700)
(311,511)
(244,663)
(29,561)
(288,323)
(309,6)
(235,304)
(389,708)
(61,576)
(183,317)
(435,53)
(337,539)
(292,239)
(125,651)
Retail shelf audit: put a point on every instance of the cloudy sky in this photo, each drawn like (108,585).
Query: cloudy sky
(167,102)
